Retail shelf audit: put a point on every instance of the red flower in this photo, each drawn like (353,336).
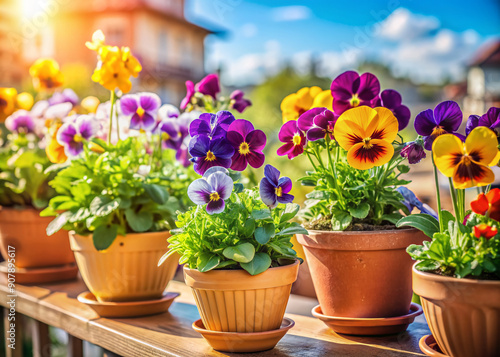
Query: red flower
(483,230)
(488,204)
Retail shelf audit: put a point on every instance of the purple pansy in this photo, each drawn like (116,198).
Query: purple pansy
(411,201)
(317,123)
(391,100)
(350,90)
(491,120)
(20,122)
(273,189)
(211,125)
(142,108)
(171,135)
(213,189)
(445,119)
(72,135)
(239,103)
(414,152)
(208,85)
(66,96)
(294,140)
(248,144)
(208,152)
(58,111)
(168,111)
(189,94)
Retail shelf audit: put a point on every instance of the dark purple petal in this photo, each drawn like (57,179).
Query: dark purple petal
(221,183)
(221,148)
(448,115)
(369,87)
(414,153)
(460,136)
(66,134)
(148,122)
(256,140)
(201,165)
(314,134)
(272,174)
(285,183)
(287,131)
(324,119)
(285,198)
(189,94)
(241,126)
(428,140)
(209,85)
(238,102)
(235,139)
(215,207)
(402,114)
(255,159)
(472,123)
(199,191)
(223,119)
(238,162)
(342,86)
(340,106)
(424,123)
(21,120)
(87,126)
(306,120)
(237,94)
(268,192)
(201,126)
(150,102)
(182,156)
(129,104)
(390,99)
(199,146)
(285,149)
(73,149)
(135,122)
(491,119)
(297,150)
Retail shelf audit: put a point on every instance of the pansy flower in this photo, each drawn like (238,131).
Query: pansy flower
(189,94)
(66,96)
(72,135)
(20,122)
(445,119)
(490,120)
(208,85)
(317,123)
(367,135)
(7,102)
(414,152)
(213,189)
(25,101)
(467,163)
(212,125)
(350,90)
(248,144)
(411,201)
(239,103)
(46,74)
(485,231)
(273,189)
(207,153)
(294,140)
(172,134)
(488,204)
(142,108)
(391,100)
(296,104)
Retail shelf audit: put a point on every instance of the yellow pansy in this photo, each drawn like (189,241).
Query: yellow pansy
(90,104)
(97,41)
(324,100)
(131,63)
(295,104)
(25,101)
(46,74)
(7,102)
(112,75)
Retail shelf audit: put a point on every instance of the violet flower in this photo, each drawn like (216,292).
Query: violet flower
(212,125)
(411,201)
(168,111)
(58,111)
(213,189)
(317,123)
(350,90)
(445,119)
(207,153)
(294,140)
(273,189)
(491,120)
(248,144)
(20,121)
(170,133)
(72,135)
(66,96)
(414,152)
(208,85)
(142,108)
(391,100)
(239,103)
(189,94)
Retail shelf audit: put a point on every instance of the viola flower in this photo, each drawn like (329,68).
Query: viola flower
(24,101)
(248,144)
(167,111)
(445,119)
(411,201)
(213,189)
(273,189)
(294,140)
(483,230)
(488,204)
(296,104)
(212,125)
(143,108)
(207,153)
(189,94)
(323,100)
(131,63)
(171,134)
(490,120)
(66,96)
(367,135)
(72,135)
(90,104)
(57,111)
(414,152)
(7,102)
(350,90)
(391,100)
(20,122)
(208,85)
(46,74)
(55,152)
(317,123)
(467,163)
(239,103)
(112,72)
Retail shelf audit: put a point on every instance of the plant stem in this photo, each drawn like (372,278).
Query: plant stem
(113,100)
(454,200)
(438,196)
(333,170)
(311,160)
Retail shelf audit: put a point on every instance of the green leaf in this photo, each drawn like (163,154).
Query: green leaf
(58,223)
(249,227)
(104,235)
(158,193)
(238,187)
(319,195)
(259,264)
(424,222)
(341,220)
(242,253)
(207,262)
(296,229)
(80,215)
(139,221)
(102,205)
(360,211)
(261,214)
(265,233)
(290,212)
(403,168)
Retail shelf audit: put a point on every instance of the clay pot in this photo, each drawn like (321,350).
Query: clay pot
(25,231)
(235,301)
(463,314)
(128,270)
(361,274)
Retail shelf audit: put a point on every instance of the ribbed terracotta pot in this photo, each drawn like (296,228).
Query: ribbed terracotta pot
(235,301)
(128,270)
(25,231)
(361,274)
(463,314)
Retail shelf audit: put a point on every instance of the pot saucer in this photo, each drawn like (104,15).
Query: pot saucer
(369,326)
(429,346)
(128,308)
(243,341)
(41,275)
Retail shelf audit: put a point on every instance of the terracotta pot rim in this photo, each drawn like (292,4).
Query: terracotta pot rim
(315,231)
(450,279)
(217,271)
(135,234)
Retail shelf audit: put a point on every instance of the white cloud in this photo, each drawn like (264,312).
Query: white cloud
(291,13)
(332,63)
(404,25)
(249,30)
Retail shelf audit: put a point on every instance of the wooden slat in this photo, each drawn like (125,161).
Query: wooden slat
(41,339)
(75,346)
(14,347)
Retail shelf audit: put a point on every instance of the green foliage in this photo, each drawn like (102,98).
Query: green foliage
(246,235)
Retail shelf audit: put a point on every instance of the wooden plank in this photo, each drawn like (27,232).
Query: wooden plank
(41,339)
(13,328)
(75,346)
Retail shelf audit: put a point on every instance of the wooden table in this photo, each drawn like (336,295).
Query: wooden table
(170,334)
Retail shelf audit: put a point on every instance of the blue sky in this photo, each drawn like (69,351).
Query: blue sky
(426,40)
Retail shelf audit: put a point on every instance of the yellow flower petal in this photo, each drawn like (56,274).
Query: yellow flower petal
(323,100)
(90,104)
(447,150)
(482,145)
(472,175)
(25,101)
(378,153)
(352,125)
(387,125)
(98,39)
(55,152)
(46,74)
(7,102)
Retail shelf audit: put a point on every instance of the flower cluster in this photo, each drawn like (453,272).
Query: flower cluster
(46,74)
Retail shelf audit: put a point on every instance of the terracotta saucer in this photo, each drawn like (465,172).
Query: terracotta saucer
(41,275)
(128,308)
(429,346)
(243,341)
(369,326)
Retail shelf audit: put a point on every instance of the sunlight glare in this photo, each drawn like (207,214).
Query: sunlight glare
(31,8)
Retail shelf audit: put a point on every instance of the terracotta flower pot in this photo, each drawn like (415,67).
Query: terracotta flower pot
(25,231)
(463,314)
(235,301)
(361,274)
(127,270)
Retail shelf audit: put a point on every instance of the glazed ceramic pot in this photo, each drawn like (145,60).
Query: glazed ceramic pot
(25,231)
(463,314)
(235,301)
(361,274)
(128,270)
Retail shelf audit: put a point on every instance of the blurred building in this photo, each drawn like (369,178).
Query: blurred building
(170,48)
(11,70)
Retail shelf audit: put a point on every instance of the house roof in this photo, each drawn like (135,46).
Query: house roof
(487,55)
